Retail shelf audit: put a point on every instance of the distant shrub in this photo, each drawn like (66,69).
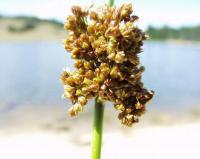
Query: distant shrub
(183,33)
(23,28)
(25,18)
(30,23)
(56,23)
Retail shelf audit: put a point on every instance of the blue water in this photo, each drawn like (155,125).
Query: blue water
(29,73)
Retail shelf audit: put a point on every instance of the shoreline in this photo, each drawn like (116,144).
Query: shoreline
(35,131)
(176,41)
(154,142)
(38,117)
(52,39)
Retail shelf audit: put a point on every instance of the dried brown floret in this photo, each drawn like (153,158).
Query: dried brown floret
(105,44)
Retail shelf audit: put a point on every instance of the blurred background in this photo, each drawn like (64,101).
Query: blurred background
(33,118)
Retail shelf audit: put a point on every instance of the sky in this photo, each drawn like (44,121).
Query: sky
(175,13)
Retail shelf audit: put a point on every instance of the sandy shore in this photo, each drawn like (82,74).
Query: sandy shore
(43,30)
(36,132)
(177,142)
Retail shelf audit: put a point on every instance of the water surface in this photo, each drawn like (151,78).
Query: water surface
(29,73)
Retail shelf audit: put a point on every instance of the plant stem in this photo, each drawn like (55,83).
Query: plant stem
(97,129)
(110,3)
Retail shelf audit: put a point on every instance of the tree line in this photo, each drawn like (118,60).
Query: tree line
(183,33)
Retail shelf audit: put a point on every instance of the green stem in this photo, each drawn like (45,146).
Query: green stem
(97,129)
(110,3)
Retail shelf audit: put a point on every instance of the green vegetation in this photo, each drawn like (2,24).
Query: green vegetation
(23,28)
(183,33)
(30,23)
(56,23)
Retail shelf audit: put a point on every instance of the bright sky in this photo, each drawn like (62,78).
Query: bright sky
(151,12)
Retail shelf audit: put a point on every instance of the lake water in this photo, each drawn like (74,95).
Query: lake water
(30,71)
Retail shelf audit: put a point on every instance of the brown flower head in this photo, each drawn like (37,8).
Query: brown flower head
(105,45)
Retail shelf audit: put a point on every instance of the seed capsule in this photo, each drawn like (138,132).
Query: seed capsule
(120,57)
(82,100)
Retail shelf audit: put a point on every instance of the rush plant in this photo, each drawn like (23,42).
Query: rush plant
(105,44)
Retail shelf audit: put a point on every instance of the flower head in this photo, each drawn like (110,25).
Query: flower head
(105,44)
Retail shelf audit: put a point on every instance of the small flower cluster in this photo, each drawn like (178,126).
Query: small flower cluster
(105,45)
